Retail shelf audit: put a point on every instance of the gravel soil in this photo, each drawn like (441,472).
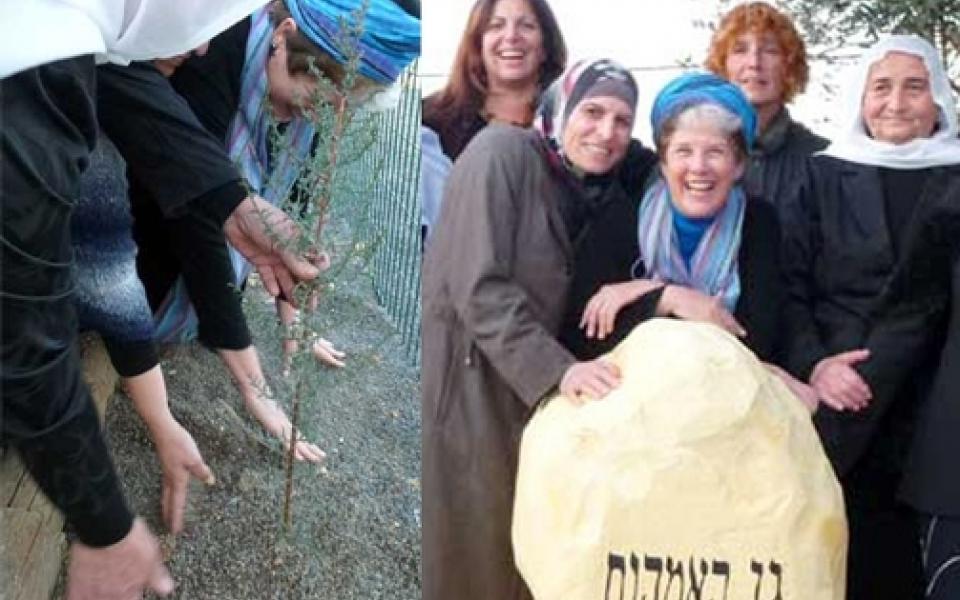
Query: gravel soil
(357,519)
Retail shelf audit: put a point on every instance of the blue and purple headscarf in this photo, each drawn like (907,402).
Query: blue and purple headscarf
(692,89)
(390,40)
(713,266)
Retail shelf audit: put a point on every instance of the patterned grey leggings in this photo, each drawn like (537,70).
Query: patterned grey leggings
(940,543)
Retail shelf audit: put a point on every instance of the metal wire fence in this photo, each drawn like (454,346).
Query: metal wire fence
(394,163)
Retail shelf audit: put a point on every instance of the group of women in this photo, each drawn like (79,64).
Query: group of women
(145,276)
(836,263)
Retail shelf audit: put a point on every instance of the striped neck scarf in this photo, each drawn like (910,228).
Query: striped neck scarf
(713,266)
(249,148)
(248,139)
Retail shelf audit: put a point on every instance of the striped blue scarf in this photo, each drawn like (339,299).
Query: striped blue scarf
(249,148)
(713,266)
(248,140)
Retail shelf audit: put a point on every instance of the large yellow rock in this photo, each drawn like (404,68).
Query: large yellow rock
(700,478)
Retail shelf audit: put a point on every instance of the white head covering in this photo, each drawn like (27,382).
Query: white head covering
(854,144)
(35,32)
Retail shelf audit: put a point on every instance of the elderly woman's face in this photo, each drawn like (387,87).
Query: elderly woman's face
(597,133)
(756,64)
(701,165)
(898,103)
(512,45)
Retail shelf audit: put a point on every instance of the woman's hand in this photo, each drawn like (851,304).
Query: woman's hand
(167,66)
(594,379)
(600,315)
(179,460)
(693,305)
(805,393)
(838,384)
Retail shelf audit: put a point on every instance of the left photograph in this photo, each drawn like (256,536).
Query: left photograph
(210,299)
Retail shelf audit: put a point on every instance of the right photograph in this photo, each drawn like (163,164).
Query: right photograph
(689,326)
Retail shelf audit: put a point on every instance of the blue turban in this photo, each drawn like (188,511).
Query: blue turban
(692,89)
(390,40)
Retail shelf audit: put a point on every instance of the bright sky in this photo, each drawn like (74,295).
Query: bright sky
(650,36)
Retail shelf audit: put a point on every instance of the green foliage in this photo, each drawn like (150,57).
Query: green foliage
(332,211)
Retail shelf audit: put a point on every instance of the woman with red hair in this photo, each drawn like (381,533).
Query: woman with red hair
(758,48)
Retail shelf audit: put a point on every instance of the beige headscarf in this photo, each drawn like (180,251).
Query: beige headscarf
(41,31)
(855,144)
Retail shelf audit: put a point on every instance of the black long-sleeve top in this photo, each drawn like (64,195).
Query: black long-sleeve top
(48,131)
(50,123)
(183,186)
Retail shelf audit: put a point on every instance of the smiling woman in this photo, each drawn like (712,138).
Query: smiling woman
(495,278)
(897,103)
(706,253)
(597,134)
(862,220)
(758,48)
(510,51)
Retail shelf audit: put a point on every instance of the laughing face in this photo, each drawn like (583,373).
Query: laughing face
(512,46)
(701,165)
(756,64)
(597,133)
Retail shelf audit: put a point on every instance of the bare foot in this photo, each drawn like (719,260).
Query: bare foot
(276,423)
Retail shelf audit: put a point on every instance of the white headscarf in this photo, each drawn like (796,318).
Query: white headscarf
(34,32)
(855,145)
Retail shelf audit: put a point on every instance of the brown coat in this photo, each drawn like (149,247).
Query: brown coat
(494,282)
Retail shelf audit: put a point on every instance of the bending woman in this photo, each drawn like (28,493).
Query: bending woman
(110,300)
(494,282)
(255,73)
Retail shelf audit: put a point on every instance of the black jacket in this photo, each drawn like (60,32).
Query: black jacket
(778,159)
(931,483)
(848,289)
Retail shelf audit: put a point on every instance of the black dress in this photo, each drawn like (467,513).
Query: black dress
(863,271)
(778,159)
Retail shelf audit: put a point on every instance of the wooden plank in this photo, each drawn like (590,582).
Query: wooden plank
(40,572)
(30,555)
(32,543)
(25,495)
(20,529)
(98,371)
(12,473)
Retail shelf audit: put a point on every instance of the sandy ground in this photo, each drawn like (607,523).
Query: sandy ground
(357,529)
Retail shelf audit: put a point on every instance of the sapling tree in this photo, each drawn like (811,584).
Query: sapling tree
(330,205)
